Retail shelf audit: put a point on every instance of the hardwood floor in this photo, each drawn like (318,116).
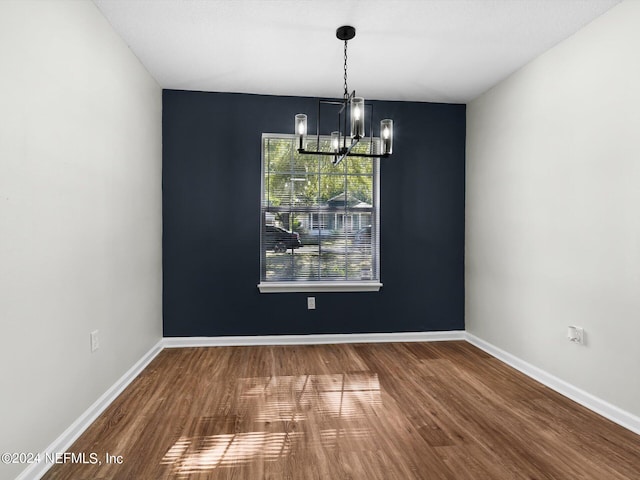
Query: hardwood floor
(442,410)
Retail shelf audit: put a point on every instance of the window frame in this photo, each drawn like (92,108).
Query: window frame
(310,286)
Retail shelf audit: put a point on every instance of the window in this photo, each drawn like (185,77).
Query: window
(319,222)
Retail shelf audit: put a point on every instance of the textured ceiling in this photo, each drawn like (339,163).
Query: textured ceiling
(418,50)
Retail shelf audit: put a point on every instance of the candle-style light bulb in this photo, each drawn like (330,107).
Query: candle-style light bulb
(335,141)
(301,130)
(386,134)
(357,117)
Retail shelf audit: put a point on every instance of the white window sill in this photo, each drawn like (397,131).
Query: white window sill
(303,287)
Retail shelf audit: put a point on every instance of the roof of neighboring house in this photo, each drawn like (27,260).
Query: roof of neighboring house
(349,199)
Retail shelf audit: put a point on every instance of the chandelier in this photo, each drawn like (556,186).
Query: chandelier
(342,144)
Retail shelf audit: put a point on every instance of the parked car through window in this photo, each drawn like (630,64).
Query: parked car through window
(280,240)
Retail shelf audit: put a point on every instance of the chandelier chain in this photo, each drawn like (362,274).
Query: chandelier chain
(346,89)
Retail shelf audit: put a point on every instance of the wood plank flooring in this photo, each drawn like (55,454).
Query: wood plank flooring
(443,410)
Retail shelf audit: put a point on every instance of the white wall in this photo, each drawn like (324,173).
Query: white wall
(80,216)
(552,206)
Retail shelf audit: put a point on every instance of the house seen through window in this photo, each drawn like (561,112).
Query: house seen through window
(319,221)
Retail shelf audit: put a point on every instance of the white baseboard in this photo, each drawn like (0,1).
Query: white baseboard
(181,342)
(71,434)
(597,405)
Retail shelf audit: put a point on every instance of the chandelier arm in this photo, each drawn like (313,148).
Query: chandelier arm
(368,155)
(302,151)
(346,153)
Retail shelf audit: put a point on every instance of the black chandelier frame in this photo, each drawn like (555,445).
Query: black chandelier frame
(344,150)
(340,149)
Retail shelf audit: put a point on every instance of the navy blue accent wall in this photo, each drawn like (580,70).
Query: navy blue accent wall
(211,221)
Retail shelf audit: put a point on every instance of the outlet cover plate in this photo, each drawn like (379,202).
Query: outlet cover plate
(576,334)
(95,341)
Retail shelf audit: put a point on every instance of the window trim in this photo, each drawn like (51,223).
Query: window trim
(301,286)
(318,287)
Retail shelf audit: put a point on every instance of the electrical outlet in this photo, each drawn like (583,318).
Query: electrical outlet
(95,341)
(311,303)
(576,334)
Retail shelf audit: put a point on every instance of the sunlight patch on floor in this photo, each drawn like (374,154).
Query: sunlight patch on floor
(281,402)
